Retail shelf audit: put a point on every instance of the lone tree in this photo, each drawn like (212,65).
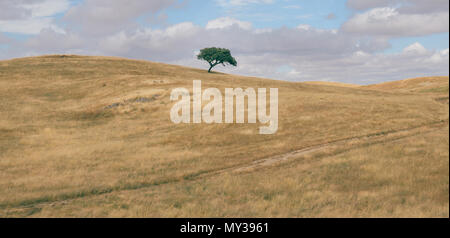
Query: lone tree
(215,56)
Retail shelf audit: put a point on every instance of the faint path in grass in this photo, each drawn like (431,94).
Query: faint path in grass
(323,150)
(343,145)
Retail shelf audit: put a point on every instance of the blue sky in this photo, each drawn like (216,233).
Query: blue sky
(277,14)
(291,13)
(298,40)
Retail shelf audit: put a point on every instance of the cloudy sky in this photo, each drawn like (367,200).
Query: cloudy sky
(352,41)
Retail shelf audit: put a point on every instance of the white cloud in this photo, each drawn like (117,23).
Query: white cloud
(46,8)
(103,17)
(415,48)
(185,28)
(31,17)
(55,41)
(389,22)
(226,22)
(304,27)
(13,10)
(231,3)
(29,26)
(262,30)
(439,57)
(404,6)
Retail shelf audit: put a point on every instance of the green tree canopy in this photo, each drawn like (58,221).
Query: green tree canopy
(215,56)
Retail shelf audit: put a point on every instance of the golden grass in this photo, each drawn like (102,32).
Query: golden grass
(63,153)
(336,84)
(409,178)
(416,85)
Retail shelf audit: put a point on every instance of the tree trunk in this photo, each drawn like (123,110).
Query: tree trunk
(210,68)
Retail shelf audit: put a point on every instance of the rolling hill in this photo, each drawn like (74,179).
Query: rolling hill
(415,85)
(92,137)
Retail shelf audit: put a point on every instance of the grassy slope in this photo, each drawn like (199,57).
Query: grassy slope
(334,84)
(415,85)
(63,154)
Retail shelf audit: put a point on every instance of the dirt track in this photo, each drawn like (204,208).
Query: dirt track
(337,146)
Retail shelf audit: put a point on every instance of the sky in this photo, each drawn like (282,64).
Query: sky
(349,41)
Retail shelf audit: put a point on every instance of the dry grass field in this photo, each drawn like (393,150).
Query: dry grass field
(92,137)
